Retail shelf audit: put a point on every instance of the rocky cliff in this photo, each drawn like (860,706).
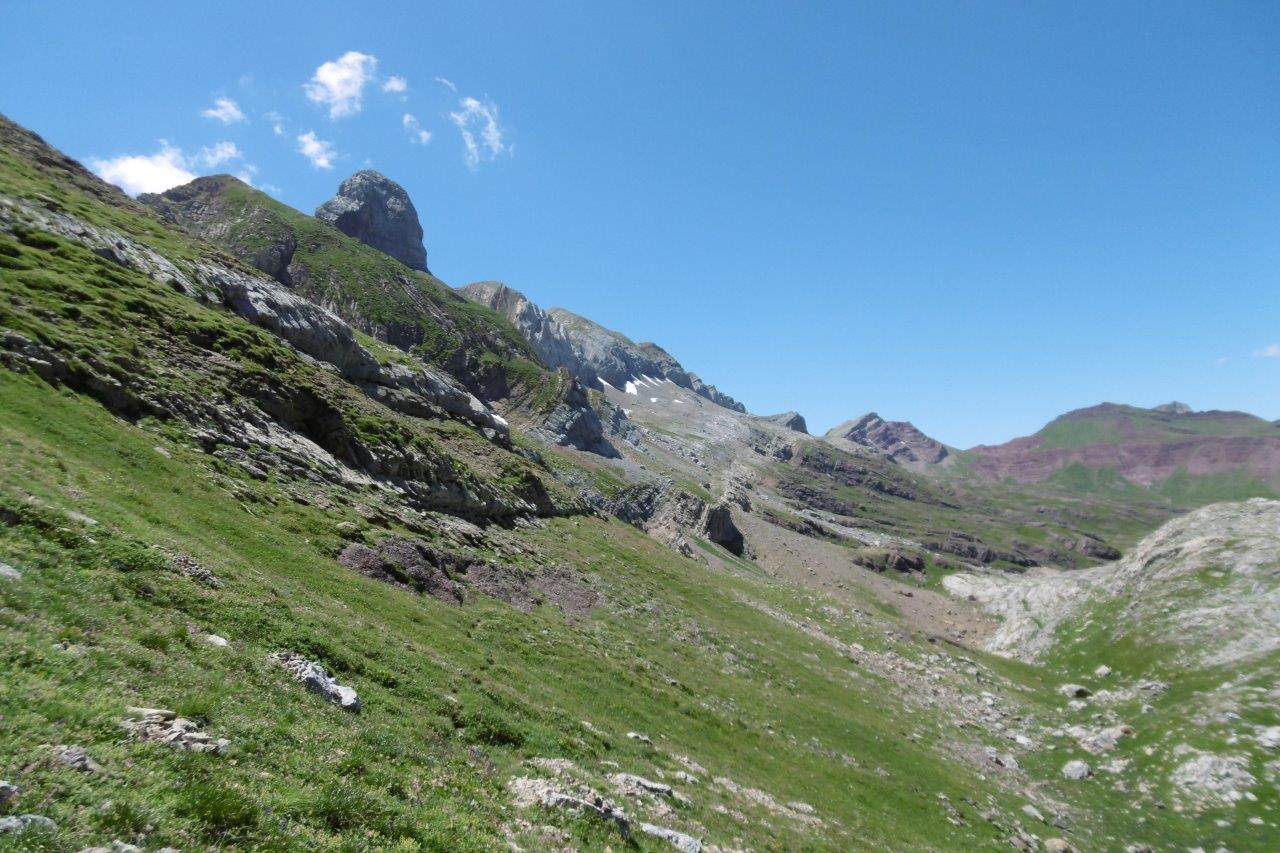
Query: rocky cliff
(377,211)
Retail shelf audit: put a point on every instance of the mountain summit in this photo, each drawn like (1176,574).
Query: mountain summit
(899,440)
(377,211)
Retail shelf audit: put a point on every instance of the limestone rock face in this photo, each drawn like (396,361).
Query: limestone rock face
(377,211)
(573,422)
(586,349)
(535,325)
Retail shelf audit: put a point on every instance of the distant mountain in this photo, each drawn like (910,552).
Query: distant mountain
(899,440)
(586,349)
(1191,457)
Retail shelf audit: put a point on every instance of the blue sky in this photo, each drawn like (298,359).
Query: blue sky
(973,216)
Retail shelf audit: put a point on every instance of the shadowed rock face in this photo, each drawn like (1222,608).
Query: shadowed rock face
(377,211)
(791,420)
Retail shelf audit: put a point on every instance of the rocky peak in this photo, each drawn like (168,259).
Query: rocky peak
(899,440)
(1173,408)
(792,420)
(377,211)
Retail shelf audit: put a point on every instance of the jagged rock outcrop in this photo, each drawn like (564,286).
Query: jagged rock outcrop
(585,348)
(667,513)
(1173,408)
(535,325)
(899,440)
(574,422)
(377,211)
(792,420)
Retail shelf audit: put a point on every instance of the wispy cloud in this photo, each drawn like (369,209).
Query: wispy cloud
(169,167)
(395,83)
(413,127)
(277,122)
(339,84)
(318,151)
(226,111)
(443,81)
(1220,361)
(481,130)
(1268,351)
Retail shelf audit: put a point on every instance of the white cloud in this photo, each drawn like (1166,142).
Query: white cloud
(339,84)
(1269,351)
(318,151)
(417,135)
(446,82)
(1221,360)
(145,173)
(169,167)
(481,118)
(225,110)
(215,155)
(395,84)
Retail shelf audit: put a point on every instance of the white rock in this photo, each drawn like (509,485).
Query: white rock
(317,679)
(23,822)
(1032,812)
(1102,671)
(679,840)
(1075,691)
(8,572)
(215,640)
(1269,737)
(1077,769)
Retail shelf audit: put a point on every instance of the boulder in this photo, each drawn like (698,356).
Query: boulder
(77,758)
(683,842)
(24,822)
(317,679)
(1077,769)
(377,211)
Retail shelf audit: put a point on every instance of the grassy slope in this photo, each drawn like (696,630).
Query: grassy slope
(455,697)
(433,678)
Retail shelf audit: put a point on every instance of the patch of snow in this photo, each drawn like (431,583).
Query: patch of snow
(631,388)
(653,399)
